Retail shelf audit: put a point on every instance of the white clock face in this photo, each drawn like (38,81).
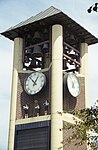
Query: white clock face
(34,83)
(73,85)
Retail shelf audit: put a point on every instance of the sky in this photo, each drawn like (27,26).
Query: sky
(14,11)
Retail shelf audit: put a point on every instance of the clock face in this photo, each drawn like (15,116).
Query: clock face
(73,85)
(34,83)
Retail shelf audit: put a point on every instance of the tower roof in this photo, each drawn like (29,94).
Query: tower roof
(50,17)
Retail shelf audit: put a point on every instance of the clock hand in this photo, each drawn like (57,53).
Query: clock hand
(35,81)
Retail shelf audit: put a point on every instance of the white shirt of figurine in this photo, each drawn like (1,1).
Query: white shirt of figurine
(46,103)
(37,107)
(26,107)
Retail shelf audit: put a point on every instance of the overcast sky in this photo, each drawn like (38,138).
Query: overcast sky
(14,11)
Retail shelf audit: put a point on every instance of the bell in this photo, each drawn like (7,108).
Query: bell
(45,31)
(39,63)
(26,59)
(72,38)
(45,47)
(65,65)
(37,51)
(28,36)
(45,34)
(77,57)
(26,62)
(36,36)
(72,54)
(70,62)
(66,49)
(28,51)
(77,67)
(33,64)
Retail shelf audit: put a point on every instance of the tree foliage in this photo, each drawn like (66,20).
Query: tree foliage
(85,128)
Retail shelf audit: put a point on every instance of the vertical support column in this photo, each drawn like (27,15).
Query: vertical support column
(84,69)
(17,65)
(18,52)
(56,88)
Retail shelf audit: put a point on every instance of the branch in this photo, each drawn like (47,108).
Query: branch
(89,117)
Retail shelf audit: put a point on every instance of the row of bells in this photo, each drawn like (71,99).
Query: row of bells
(71,53)
(32,63)
(37,37)
(32,54)
(37,63)
(68,66)
(37,34)
(37,51)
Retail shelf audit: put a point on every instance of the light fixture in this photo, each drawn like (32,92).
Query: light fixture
(90,9)
(93,7)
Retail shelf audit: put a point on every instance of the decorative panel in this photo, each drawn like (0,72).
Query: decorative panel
(33,136)
(70,102)
(23,98)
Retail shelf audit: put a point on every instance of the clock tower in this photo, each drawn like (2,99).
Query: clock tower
(50,76)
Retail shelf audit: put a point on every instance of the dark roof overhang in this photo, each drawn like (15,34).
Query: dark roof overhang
(50,17)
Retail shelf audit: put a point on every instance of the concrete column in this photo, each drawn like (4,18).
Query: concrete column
(17,65)
(84,69)
(18,48)
(56,88)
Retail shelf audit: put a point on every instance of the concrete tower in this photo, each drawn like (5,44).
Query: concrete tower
(50,73)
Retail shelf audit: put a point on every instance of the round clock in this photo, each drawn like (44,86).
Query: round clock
(34,83)
(73,84)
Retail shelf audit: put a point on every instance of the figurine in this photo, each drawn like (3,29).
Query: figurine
(46,104)
(26,108)
(37,108)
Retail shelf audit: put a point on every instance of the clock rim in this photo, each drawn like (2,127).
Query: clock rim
(28,77)
(69,87)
